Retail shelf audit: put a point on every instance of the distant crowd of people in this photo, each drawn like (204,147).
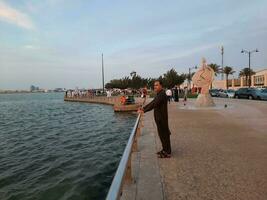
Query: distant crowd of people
(173,94)
(77,93)
(80,93)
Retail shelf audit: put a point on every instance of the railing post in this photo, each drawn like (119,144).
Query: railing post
(135,145)
(142,121)
(128,174)
(138,132)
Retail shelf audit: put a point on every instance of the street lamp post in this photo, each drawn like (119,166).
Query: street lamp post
(249,54)
(222,52)
(189,76)
(103,79)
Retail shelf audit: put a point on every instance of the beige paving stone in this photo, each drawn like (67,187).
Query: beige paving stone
(217,153)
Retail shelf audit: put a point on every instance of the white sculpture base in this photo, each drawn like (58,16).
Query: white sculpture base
(204,100)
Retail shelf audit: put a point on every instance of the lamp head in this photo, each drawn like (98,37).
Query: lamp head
(257,50)
(242,51)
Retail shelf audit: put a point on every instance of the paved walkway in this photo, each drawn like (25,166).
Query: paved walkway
(147,182)
(217,154)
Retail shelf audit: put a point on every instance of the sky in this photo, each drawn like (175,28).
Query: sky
(58,43)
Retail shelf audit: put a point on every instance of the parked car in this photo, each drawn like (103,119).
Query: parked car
(263,94)
(222,93)
(214,92)
(230,93)
(227,93)
(248,93)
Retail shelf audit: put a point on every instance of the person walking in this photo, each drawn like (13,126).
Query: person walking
(160,106)
(169,95)
(185,95)
(176,94)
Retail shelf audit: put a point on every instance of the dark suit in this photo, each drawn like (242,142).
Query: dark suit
(159,104)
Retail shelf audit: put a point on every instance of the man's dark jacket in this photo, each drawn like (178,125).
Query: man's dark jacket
(159,104)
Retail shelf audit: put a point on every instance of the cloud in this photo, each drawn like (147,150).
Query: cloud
(192,51)
(31,47)
(147,55)
(13,16)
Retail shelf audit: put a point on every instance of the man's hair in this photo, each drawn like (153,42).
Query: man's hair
(160,81)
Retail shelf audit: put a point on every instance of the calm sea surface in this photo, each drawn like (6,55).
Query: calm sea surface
(56,150)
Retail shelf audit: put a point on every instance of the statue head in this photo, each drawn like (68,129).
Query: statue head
(203,77)
(203,62)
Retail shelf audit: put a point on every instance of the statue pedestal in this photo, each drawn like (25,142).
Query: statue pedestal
(204,100)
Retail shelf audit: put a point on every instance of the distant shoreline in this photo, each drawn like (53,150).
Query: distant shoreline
(26,92)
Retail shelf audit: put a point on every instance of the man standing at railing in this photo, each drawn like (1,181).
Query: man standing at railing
(159,104)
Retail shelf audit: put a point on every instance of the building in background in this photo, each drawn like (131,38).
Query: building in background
(34,88)
(259,79)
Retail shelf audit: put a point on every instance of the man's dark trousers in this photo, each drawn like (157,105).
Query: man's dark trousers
(164,136)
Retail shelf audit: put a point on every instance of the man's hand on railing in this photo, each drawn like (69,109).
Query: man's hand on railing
(140,110)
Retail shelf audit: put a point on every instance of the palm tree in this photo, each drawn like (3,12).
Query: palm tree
(215,68)
(227,71)
(188,76)
(246,72)
(133,74)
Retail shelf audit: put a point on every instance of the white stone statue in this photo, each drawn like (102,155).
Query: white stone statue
(203,78)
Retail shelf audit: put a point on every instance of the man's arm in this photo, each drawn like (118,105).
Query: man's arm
(149,106)
(155,103)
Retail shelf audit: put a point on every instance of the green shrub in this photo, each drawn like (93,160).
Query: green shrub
(190,95)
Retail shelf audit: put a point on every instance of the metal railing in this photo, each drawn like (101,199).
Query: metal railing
(124,172)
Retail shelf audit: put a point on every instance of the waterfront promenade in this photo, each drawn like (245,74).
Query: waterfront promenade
(217,154)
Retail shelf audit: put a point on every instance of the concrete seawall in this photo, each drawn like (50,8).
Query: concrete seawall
(99,100)
(113,101)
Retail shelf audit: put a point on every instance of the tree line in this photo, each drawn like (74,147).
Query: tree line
(171,78)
